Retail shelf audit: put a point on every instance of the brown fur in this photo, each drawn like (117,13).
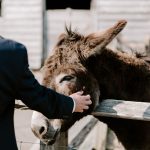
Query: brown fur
(118,75)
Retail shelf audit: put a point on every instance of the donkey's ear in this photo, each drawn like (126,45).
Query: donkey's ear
(98,41)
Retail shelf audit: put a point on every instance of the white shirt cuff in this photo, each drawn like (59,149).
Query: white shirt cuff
(74,105)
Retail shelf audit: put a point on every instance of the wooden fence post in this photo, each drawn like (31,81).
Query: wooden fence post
(61,143)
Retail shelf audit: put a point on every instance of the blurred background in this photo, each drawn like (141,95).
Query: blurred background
(38,23)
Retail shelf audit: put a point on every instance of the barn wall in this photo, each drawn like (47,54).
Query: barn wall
(102,15)
(136,12)
(81,20)
(22,20)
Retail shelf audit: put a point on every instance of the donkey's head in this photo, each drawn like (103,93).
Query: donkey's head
(66,72)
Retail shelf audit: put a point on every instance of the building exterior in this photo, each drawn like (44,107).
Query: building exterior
(37,26)
(136,12)
(22,20)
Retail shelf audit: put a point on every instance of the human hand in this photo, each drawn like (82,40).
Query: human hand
(82,102)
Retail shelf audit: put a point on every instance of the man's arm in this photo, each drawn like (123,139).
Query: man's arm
(44,100)
(40,98)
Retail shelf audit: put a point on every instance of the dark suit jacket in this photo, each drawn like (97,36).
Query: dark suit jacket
(17,82)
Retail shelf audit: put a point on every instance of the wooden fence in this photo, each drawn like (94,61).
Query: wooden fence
(107,108)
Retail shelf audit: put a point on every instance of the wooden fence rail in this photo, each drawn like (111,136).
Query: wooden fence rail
(117,108)
(123,109)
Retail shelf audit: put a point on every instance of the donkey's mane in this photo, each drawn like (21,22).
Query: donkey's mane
(69,35)
(72,35)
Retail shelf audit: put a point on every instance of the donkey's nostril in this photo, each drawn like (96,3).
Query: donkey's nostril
(41,130)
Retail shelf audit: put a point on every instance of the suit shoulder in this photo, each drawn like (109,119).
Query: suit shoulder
(17,46)
(13,51)
(11,45)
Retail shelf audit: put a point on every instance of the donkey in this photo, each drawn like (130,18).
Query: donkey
(85,63)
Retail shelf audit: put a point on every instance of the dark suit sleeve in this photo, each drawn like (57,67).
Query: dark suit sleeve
(39,98)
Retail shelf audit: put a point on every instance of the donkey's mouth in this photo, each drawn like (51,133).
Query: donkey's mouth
(51,142)
(53,139)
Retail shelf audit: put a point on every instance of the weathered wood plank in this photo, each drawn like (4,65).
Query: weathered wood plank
(120,109)
(95,138)
(123,109)
(77,141)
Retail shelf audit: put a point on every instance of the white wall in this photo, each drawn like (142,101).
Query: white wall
(81,20)
(136,12)
(22,20)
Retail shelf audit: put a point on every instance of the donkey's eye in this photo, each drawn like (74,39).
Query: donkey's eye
(66,78)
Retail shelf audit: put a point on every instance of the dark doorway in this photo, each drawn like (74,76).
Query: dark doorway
(63,4)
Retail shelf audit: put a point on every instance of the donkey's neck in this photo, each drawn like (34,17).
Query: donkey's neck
(121,76)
